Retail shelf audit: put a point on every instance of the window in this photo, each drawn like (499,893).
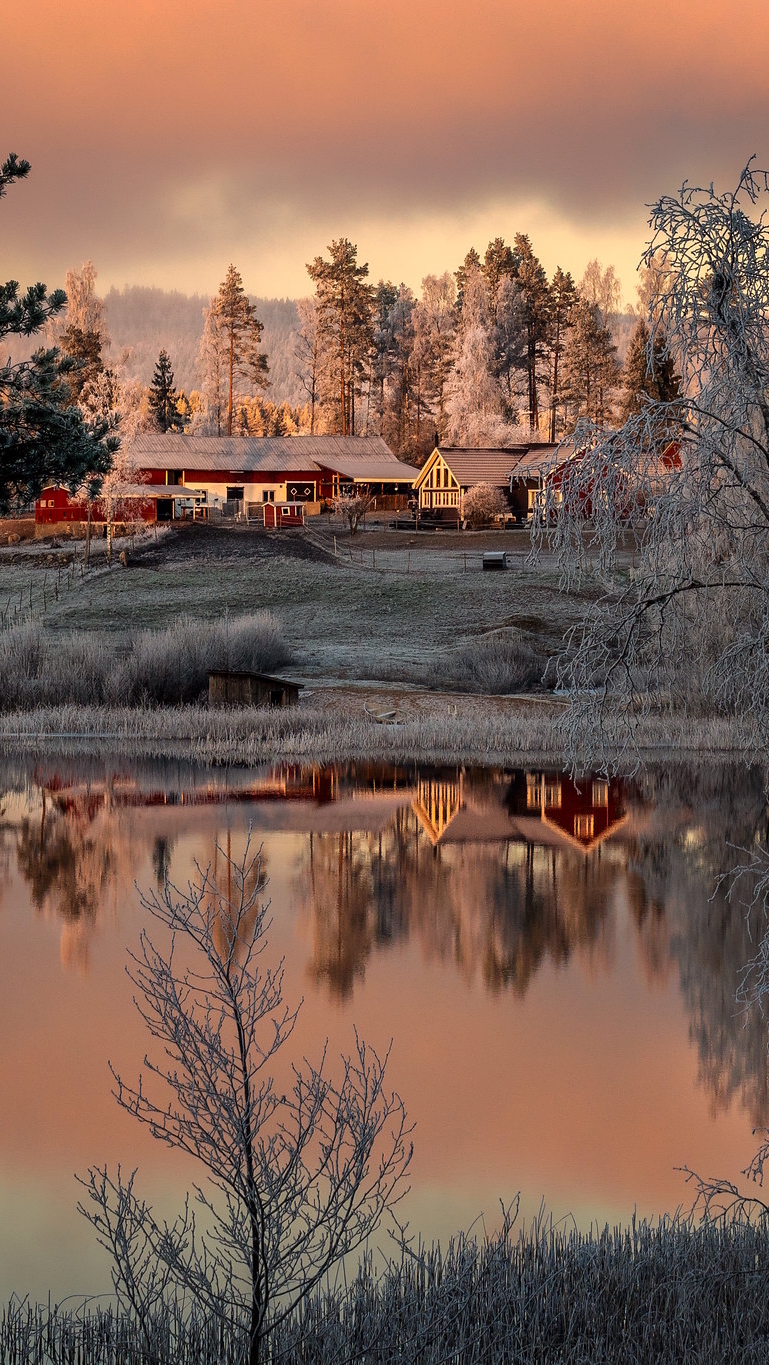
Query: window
(600,793)
(234,494)
(584,826)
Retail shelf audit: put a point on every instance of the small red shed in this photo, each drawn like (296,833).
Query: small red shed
(278,515)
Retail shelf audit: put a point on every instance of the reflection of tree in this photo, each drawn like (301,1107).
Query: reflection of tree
(701,818)
(161,859)
(63,865)
(67,867)
(342,892)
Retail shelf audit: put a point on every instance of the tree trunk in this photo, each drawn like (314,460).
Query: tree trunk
(232,367)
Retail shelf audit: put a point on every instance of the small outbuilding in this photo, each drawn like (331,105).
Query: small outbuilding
(280,515)
(251,689)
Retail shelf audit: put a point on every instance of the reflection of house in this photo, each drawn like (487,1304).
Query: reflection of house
(580,813)
(538,808)
(437,803)
(450,805)
(452,470)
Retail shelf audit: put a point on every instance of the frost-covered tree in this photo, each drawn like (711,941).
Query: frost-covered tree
(688,480)
(482,503)
(435,328)
(309,357)
(299,1170)
(474,403)
(44,439)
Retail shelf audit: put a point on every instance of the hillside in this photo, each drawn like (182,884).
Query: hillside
(144,320)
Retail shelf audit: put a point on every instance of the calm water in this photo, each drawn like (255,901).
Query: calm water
(549,960)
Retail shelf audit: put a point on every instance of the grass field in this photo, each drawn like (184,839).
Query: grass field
(389,607)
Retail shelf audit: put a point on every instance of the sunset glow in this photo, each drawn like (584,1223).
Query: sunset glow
(166,141)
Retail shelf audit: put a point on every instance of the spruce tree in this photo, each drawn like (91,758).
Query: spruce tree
(240,331)
(648,379)
(590,368)
(43,438)
(163,397)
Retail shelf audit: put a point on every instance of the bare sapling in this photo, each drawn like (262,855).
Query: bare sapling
(353,507)
(294,1181)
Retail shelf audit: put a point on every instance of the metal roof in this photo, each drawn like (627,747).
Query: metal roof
(486,464)
(358,457)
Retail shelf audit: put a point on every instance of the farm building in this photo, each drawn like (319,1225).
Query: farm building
(241,474)
(58,511)
(244,472)
(452,470)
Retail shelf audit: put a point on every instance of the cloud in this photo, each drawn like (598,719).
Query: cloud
(165,138)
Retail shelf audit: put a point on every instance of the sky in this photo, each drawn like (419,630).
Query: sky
(167,140)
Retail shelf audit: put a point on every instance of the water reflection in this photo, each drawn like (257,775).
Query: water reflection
(549,957)
(491,873)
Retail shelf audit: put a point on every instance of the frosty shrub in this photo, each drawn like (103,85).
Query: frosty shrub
(500,663)
(353,508)
(162,666)
(482,503)
(298,1171)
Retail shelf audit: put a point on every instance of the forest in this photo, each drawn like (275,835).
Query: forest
(490,354)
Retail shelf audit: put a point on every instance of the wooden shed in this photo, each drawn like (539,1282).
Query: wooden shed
(251,689)
(278,515)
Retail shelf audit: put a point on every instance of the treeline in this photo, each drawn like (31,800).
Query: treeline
(493,353)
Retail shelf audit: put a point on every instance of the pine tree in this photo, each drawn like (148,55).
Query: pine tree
(532,281)
(43,438)
(163,397)
(648,379)
(563,295)
(240,331)
(344,308)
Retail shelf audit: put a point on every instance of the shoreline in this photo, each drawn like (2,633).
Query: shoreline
(371,722)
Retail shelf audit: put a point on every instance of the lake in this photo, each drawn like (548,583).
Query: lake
(548,957)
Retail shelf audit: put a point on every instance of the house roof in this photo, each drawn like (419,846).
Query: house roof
(358,457)
(487,464)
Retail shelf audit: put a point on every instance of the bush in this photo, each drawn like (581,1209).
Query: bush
(482,503)
(502,662)
(168,666)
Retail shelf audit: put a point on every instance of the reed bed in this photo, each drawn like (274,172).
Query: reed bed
(654,1293)
(464,729)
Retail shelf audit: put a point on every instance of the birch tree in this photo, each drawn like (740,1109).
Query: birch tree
(688,480)
(296,1178)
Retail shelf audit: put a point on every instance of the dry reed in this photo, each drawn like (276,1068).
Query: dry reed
(653,1293)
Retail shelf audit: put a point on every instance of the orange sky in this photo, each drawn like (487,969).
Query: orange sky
(167,140)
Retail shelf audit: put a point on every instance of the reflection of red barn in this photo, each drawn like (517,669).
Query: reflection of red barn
(583,812)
